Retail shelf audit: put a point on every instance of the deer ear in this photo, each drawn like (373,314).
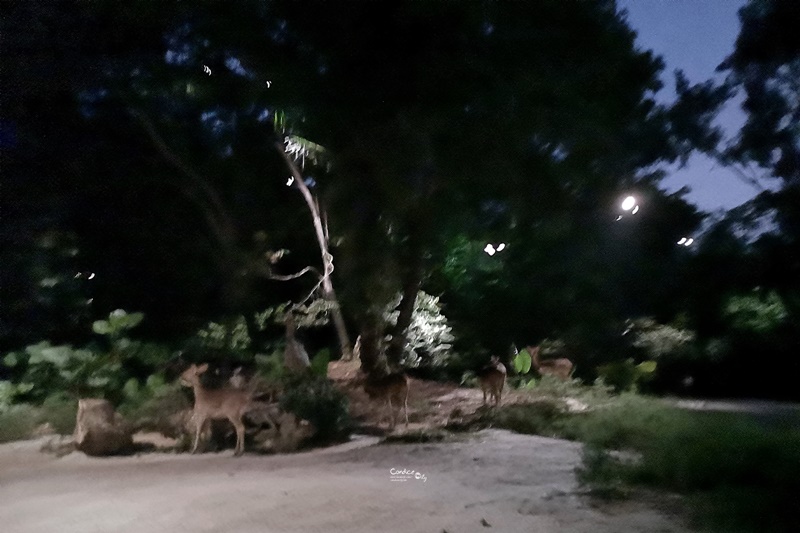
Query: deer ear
(202,368)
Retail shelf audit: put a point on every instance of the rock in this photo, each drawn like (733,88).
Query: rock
(99,430)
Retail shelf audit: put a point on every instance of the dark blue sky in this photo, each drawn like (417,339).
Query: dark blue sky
(694,36)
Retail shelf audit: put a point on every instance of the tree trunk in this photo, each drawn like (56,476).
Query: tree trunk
(371,337)
(327,258)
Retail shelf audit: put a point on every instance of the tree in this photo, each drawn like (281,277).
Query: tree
(765,65)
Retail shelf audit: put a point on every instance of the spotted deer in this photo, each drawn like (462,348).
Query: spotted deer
(561,368)
(492,379)
(215,404)
(388,388)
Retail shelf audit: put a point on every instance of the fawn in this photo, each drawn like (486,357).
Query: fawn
(213,404)
(391,387)
(561,368)
(492,379)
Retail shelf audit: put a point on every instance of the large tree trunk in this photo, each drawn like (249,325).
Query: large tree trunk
(371,338)
(327,258)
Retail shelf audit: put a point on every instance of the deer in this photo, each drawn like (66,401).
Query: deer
(214,404)
(561,368)
(390,387)
(492,379)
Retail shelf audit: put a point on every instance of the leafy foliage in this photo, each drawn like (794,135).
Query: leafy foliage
(317,400)
(429,336)
(658,341)
(757,313)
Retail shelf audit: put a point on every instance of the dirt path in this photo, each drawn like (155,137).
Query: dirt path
(513,483)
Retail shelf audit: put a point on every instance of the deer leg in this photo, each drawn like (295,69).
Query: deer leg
(239,427)
(405,408)
(484,395)
(391,412)
(200,423)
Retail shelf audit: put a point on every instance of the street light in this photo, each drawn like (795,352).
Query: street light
(629,203)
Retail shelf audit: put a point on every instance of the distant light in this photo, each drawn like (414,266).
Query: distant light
(501,246)
(689,241)
(683,240)
(91,276)
(90,300)
(628,203)
(619,218)
(489,249)
(290,181)
(635,210)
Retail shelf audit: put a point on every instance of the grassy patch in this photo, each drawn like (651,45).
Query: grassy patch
(17,422)
(738,472)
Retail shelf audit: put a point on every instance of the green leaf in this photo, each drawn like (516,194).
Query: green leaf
(98,381)
(131,388)
(522,362)
(319,364)
(101,327)
(11,360)
(647,367)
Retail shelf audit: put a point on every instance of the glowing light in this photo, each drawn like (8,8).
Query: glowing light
(635,210)
(619,218)
(689,241)
(91,276)
(489,249)
(289,182)
(683,240)
(628,203)
(501,246)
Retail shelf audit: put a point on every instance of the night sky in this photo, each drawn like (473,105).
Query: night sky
(695,36)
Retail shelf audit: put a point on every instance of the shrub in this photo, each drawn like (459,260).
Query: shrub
(740,474)
(60,412)
(17,422)
(429,336)
(626,375)
(315,399)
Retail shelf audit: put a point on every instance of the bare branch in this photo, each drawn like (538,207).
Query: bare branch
(214,209)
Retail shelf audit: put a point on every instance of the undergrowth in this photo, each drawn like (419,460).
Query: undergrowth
(738,473)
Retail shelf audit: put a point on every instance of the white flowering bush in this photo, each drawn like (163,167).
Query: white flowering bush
(429,337)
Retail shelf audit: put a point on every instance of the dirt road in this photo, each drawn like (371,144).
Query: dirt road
(513,483)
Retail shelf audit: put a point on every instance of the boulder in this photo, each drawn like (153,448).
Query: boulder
(99,430)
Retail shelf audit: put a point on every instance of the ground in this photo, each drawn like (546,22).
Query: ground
(511,482)
(474,481)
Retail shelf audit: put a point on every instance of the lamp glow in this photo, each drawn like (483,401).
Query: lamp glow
(628,203)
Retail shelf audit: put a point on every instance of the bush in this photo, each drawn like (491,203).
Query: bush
(739,474)
(625,375)
(60,412)
(429,336)
(315,399)
(17,422)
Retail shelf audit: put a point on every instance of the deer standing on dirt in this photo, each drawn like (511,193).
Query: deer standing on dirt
(214,404)
(560,368)
(391,387)
(492,379)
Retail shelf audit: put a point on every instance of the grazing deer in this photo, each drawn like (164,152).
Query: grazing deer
(388,388)
(492,379)
(561,368)
(213,404)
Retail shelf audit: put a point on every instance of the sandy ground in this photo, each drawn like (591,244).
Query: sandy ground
(497,479)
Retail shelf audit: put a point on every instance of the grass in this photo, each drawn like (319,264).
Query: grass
(738,473)
(18,422)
